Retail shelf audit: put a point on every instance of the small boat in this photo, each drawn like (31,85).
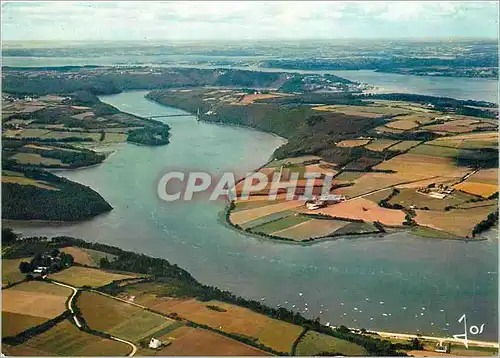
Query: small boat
(341,303)
(355,308)
(293,306)
(441,310)
(306,304)
(367,299)
(422,314)
(381,302)
(371,318)
(423,308)
(360,311)
(320,312)
(327,324)
(300,293)
(263,298)
(404,307)
(384,314)
(286,302)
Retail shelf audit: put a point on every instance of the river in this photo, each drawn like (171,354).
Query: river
(394,283)
(456,87)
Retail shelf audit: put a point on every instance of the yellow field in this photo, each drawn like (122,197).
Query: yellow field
(272,333)
(379,145)
(475,188)
(314,343)
(311,229)
(119,318)
(66,340)
(15,323)
(33,158)
(82,276)
(10,270)
(39,299)
(456,222)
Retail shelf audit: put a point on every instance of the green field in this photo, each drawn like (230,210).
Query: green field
(314,343)
(280,224)
(119,318)
(265,219)
(427,232)
(409,197)
(404,145)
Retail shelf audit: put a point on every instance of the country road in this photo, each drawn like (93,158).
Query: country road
(79,325)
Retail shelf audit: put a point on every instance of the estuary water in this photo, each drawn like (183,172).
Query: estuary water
(394,283)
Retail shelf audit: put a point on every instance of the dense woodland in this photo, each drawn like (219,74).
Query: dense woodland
(72,202)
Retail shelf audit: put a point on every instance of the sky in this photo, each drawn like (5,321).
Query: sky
(246,20)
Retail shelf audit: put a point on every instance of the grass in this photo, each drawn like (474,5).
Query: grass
(98,255)
(349,143)
(409,197)
(280,224)
(404,145)
(431,233)
(65,339)
(356,228)
(380,144)
(10,270)
(265,219)
(36,159)
(314,343)
(60,135)
(82,276)
(402,124)
(311,229)
(435,151)
(348,176)
(245,205)
(119,318)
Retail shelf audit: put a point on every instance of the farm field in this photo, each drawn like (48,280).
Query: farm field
(33,158)
(98,255)
(403,124)
(294,160)
(119,318)
(312,228)
(404,145)
(423,166)
(65,339)
(363,111)
(379,145)
(280,224)
(200,342)
(82,276)
(350,143)
(245,216)
(272,333)
(240,205)
(314,343)
(456,222)
(457,126)
(34,298)
(79,255)
(485,176)
(56,135)
(436,151)
(479,189)
(15,323)
(363,209)
(10,270)
(408,197)
(266,219)
(370,182)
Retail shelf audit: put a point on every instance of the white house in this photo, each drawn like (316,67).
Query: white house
(154,343)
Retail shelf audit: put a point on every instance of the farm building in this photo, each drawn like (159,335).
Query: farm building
(155,343)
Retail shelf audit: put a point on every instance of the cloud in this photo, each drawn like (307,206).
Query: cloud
(191,20)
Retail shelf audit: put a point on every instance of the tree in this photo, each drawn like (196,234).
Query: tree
(66,259)
(8,235)
(416,344)
(25,267)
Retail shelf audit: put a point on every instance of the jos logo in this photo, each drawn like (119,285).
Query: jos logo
(473,330)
